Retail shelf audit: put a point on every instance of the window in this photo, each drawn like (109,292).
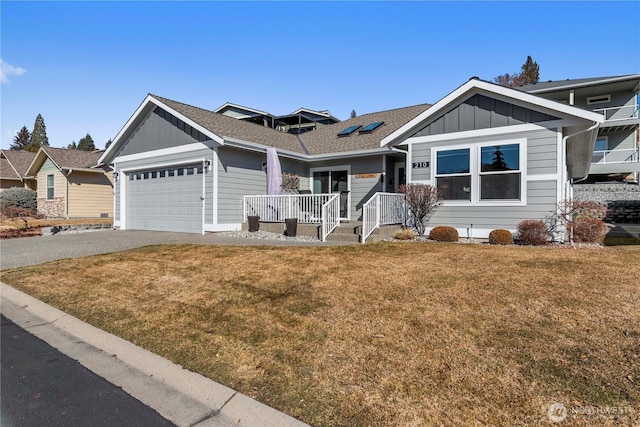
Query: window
(371,127)
(602,144)
(50,187)
(500,172)
(481,173)
(348,131)
(600,99)
(453,174)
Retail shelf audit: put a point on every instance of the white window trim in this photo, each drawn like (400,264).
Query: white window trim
(53,186)
(475,172)
(599,99)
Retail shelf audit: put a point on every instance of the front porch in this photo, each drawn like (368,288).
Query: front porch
(323,215)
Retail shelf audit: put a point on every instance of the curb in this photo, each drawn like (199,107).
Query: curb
(179,395)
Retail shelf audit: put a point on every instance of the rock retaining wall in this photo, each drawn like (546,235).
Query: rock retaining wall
(623,200)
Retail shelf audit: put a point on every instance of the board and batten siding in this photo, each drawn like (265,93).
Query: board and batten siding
(155,133)
(90,195)
(542,189)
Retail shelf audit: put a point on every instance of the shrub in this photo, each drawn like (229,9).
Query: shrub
(421,201)
(500,237)
(16,212)
(588,230)
(569,211)
(404,234)
(533,232)
(19,197)
(444,233)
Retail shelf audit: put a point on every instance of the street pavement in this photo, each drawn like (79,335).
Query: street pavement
(43,387)
(45,383)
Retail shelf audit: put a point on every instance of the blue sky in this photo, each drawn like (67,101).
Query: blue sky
(86,66)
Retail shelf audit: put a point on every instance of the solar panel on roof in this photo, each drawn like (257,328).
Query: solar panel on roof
(349,130)
(371,127)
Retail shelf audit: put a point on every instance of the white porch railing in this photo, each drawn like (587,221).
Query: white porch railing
(330,215)
(307,208)
(624,112)
(382,209)
(626,155)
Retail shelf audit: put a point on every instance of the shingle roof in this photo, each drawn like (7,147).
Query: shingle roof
(69,158)
(225,126)
(6,170)
(323,140)
(19,159)
(552,84)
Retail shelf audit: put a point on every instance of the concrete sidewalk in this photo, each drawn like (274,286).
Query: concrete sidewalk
(181,396)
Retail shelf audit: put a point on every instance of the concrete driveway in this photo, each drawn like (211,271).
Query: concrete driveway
(36,250)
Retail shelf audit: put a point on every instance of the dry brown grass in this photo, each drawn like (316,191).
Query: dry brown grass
(389,334)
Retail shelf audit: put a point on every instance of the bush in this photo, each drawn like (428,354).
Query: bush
(588,230)
(500,237)
(421,201)
(15,212)
(444,233)
(533,232)
(404,234)
(19,197)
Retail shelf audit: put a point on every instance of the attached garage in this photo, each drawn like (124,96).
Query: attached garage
(166,199)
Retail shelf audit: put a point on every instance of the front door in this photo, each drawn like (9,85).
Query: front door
(333,181)
(400,176)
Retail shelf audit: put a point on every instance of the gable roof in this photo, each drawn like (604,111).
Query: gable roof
(66,159)
(15,163)
(475,86)
(226,130)
(554,85)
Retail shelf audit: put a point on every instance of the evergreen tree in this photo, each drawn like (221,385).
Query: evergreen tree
(86,143)
(22,139)
(353,113)
(39,134)
(530,72)
(107,144)
(72,146)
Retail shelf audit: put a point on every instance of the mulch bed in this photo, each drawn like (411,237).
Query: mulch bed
(23,232)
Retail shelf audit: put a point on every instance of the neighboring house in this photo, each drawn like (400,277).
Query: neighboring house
(617,98)
(70,185)
(498,156)
(13,169)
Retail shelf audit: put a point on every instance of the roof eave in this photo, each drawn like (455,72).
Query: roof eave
(585,84)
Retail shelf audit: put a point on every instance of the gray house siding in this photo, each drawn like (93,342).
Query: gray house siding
(239,174)
(482,112)
(153,134)
(541,201)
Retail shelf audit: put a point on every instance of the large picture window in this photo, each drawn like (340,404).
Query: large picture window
(500,172)
(453,174)
(481,172)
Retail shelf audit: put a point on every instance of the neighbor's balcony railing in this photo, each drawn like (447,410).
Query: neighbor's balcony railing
(627,155)
(625,112)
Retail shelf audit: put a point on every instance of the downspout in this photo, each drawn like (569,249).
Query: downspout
(572,181)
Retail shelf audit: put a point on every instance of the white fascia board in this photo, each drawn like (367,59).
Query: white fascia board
(72,169)
(586,84)
(187,120)
(252,146)
(196,146)
(117,141)
(473,87)
(41,152)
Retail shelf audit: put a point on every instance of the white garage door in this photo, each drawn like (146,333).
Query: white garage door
(167,199)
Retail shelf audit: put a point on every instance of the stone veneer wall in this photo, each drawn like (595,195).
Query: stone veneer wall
(623,200)
(51,208)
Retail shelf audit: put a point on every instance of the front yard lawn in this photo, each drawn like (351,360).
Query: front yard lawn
(388,334)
